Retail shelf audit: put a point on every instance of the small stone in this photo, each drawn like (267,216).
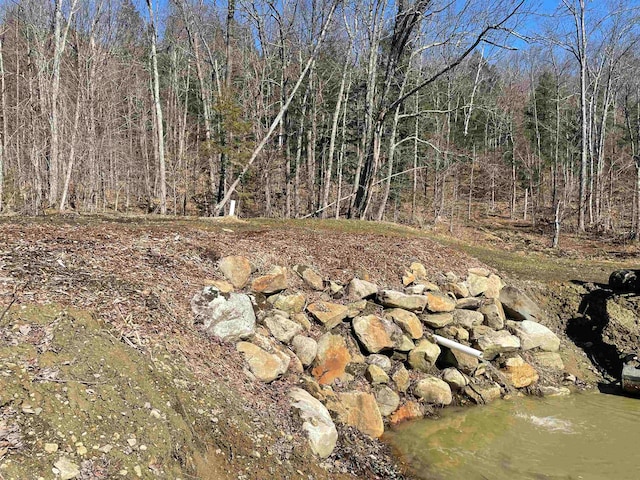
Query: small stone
(291,304)
(132,442)
(81,450)
(310,276)
(138,471)
(376,376)
(50,447)
(67,469)
(401,379)
(281,328)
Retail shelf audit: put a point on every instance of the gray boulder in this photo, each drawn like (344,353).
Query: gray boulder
(316,421)
(493,343)
(229,317)
(518,306)
(534,335)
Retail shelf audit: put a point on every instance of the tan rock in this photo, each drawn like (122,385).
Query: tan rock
(264,365)
(273,282)
(521,376)
(418,270)
(483,393)
(408,279)
(494,286)
(550,360)
(376,375)
(222,285)
(394,299)
(310,276)
(372,333)
(437,320)
(302,320)
(306,349)
(407,321)
(459,290)
(401,378)
(329,314)
(455,379)
(477,284)
(361,411)
(493,314)
(356,308)
(460,360)
(236,269)
(316,421)
(359,289)
(424,356)
(438,303)
(291,304)
(434,390)
(480,271)
(409,411)
(331,359)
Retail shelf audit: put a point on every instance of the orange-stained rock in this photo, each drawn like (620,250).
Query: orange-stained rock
(222,285)
(408,411)
(360,410)
(437,302)
(273,282)
(331,360)
(329,314)
(236,269)
(521,376)
(372,332)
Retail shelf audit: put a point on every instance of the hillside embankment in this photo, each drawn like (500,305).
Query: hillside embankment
(111,365)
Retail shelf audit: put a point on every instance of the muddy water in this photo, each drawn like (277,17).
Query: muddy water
(586,436)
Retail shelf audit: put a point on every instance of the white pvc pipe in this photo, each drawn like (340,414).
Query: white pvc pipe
(445,342)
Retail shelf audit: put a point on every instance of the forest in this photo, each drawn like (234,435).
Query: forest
(416,111)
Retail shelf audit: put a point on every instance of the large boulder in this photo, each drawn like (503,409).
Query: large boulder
(407,321)
(433,390)
(493,313)
(493,343)
(373,333)
(273,282)
(229,317)
(518,306)
(316,421)
(282,328)
(331,360)
(305,348)
(424,356)
(438,302)
(329,314)
(360,410)
(310,276)
(477,284)
(359,289)
(534,335)
(394,299)
(494,286)
(264,365)
(236,269)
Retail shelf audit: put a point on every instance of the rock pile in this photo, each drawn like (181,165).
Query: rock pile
(366,356)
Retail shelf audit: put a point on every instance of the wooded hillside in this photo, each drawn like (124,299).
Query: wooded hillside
(414,111)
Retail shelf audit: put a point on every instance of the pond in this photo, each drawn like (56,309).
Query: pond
(584,436)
